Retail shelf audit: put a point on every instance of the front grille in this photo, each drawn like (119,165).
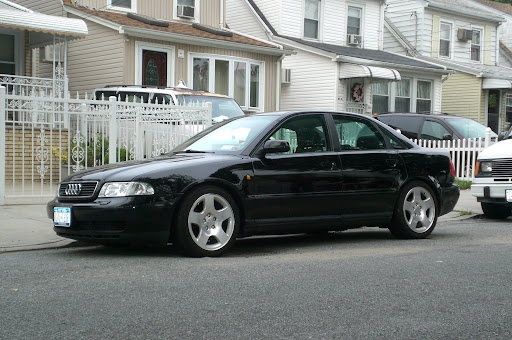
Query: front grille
(502,168)
(77,189)
(112,226)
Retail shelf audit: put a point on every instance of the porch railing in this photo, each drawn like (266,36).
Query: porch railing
(32,86)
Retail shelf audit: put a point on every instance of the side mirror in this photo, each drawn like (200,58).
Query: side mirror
(276,146)
(447,137)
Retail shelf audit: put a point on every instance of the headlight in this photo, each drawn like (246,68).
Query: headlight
(486,167)
(122,189)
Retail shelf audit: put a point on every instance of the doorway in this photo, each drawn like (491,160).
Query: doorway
(493,110)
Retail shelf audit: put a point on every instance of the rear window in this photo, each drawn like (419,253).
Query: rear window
(408,125)
(222,108)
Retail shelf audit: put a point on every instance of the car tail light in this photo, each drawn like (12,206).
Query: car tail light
(452,169)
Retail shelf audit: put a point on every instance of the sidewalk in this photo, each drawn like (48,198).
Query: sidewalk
(26,227)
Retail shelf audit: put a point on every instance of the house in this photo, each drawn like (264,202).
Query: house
(161,42)
(24,33)
(340,63)
(461,36)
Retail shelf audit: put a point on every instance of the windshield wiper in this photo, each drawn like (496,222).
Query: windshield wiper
(192,151)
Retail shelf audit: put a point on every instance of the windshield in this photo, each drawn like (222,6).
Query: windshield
(468,128)
(222,108)
(230,137)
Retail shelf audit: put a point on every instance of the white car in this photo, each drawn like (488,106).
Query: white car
(492,185)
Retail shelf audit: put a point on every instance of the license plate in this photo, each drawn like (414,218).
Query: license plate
(61,217)
(508,193)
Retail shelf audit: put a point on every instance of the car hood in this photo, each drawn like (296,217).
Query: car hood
(149,168)
(501,149)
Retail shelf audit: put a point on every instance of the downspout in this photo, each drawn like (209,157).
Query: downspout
(278,82)
(221,14)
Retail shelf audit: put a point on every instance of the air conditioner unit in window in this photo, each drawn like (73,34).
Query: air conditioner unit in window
(46,53)
(186,11)
(355,39)
(464,34)
(286,76)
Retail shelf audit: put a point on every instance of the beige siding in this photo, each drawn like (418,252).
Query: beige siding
(96,60)
(463,96)
(181,65)
(50,7)
(209,10)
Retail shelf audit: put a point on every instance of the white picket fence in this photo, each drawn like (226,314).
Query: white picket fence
(46,138)
(463,152)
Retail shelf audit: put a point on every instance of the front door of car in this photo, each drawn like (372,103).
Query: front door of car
(300,185)
(371,169)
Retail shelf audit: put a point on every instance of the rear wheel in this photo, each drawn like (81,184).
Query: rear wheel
(207,222)
(495,211)
(415,213)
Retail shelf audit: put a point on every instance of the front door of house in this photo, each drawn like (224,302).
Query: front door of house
(154,68)
(493,110)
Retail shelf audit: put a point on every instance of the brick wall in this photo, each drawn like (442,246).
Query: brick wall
(22,147)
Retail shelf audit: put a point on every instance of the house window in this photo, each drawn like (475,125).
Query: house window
(240,79)
(424,96)
(508,108)
(354,20)
(445,39)
(201,73)
(123,5)
(380,97)
(476,45)
(403,95)
(7,60)
(311,18)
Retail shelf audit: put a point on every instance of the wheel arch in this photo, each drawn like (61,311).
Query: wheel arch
(231,189)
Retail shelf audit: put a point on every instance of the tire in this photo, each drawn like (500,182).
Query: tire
(207,223)
(495,211)
(415,214)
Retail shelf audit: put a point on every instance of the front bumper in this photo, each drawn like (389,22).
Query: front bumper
(490,191)
(130,220)
(449,197)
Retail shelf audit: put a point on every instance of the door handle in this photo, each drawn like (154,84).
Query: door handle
(330,165)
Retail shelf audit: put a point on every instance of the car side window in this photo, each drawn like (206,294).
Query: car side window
(358,134)
(305,133)
(433,131)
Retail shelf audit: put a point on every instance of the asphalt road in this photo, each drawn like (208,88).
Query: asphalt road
(360,284)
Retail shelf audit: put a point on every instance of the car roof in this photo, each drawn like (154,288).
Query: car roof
(160,89)
(419,114)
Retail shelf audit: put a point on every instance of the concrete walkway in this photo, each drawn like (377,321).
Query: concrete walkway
(26,227)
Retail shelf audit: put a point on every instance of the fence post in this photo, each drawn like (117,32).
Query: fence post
(139,136)
(112,130)
(2,145)
(487,137)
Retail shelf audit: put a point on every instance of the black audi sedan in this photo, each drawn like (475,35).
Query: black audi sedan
(269,173)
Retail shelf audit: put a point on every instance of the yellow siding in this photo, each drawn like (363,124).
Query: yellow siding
(463,96)
(436,24)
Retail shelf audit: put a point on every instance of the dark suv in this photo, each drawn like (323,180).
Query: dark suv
(434,126)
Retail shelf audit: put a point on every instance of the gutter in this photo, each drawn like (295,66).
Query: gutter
(192,40)
(466,13)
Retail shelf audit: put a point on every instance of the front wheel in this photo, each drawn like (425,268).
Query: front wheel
(415,212)
(207,222)
(495,211)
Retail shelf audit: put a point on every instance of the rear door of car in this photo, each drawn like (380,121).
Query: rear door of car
(302,185)
(372,169)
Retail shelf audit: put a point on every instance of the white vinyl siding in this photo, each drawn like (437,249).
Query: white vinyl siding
(272,11)
(307,92)
(241,18)
(407,16)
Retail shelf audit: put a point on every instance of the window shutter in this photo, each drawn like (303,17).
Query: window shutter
(436,23)
(487,45)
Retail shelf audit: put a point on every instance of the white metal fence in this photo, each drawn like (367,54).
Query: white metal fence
(47,138)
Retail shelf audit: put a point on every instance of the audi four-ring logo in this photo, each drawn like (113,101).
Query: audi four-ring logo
(73,189)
